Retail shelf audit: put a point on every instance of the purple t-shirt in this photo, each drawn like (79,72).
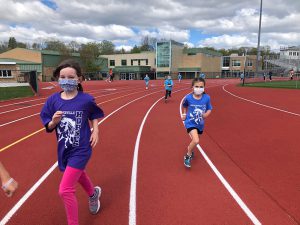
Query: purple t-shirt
(73,131)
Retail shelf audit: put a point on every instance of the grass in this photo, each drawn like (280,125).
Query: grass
(288,84)
(15,92)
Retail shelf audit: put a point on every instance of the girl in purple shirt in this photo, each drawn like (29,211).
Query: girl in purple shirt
(69,113)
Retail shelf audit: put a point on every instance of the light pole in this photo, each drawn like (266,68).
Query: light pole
(258,41)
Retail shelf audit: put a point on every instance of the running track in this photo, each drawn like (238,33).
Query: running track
(251,138)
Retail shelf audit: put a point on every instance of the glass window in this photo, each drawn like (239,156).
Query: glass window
(226,61)
(163,54)
(236,63)
(146,61)
(249,63)
(112,62)
(5,73)
(124,62)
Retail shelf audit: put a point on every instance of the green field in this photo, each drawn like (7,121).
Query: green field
(289,84)
(15,92)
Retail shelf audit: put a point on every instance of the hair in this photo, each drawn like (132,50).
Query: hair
(72,64)
(199,79)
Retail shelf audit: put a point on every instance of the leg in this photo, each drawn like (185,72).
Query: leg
(67,193)
(86,183)
(166,96)
(195,140)
(170,93)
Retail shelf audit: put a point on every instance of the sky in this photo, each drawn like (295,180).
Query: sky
(197,23)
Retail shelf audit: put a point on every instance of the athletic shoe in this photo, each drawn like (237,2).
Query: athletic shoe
(187,161)
(94,202)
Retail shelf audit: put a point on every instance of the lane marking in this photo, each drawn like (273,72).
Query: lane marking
(260,104)
(15,208)
(22,139)
(235,196)
(132,200)
(26,117)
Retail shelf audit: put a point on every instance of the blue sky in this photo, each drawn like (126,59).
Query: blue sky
(226,24)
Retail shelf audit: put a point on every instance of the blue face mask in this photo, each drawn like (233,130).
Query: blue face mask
(68,85)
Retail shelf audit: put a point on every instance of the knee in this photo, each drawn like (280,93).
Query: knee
(64,192)
(195,141)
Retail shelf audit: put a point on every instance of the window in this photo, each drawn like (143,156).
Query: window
(124,62)
(236,63)
(249,63)
(112,62)
(146,61)
(132,62)
(139,62)
(226,61)
(5,73)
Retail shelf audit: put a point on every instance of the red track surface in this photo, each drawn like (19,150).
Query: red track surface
(254,147)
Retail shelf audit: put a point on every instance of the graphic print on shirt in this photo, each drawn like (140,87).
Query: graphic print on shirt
(69,128)
(197,113)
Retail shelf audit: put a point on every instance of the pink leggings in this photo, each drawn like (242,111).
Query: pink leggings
(67,191)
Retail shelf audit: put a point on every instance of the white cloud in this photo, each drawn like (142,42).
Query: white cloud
(127,48)
(227,23)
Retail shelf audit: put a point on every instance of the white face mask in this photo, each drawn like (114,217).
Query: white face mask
(198,91)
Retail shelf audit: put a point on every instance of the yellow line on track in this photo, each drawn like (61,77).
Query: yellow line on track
(22,139)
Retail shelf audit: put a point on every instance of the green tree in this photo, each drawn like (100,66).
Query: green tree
(3,47)
(89,53)
(21,45)
(106,47)
(135,49)
(12,43)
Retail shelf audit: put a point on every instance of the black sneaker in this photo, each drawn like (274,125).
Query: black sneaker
(187,161)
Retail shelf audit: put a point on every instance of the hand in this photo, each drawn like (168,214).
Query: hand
(10,188)
(94,138)
(183,117)
(56,118)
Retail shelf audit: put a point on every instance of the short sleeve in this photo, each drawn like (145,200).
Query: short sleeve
(185,103)
(95,111)
(47,114)
(208,104)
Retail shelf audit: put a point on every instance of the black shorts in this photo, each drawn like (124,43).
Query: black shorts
(192,128)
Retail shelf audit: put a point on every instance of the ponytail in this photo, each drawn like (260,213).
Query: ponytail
(80,88)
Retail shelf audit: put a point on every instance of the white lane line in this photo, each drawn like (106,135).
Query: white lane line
(14,121)
(235,196)
(257,103)
(26,117)
(132,200)
(16,103)
(8,216)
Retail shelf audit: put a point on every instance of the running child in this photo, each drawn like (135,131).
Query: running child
(196,107)
(146,79)
(69,113)
(179,77)
(9,185)
(168,86)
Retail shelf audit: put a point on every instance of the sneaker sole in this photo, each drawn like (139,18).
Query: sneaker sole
(100,191)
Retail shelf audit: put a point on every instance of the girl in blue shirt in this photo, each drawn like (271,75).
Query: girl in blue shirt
(146,79)
(196,107)
(69,113)
(168,86)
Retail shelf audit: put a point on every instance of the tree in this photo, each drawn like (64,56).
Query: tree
(74,46)
(106,47)
(12,43)
(135,50)
(89,53)
(3,47)
(148,43)
(21,45)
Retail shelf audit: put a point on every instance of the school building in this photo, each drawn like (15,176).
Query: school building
(170,57)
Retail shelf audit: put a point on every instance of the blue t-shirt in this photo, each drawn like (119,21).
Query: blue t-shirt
(146,79)
(195,109)
(168,82)
(179,76)
(73,131)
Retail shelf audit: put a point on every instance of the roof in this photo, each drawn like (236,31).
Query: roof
(201,50)
(22,54)
(17,61)
(51,52)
